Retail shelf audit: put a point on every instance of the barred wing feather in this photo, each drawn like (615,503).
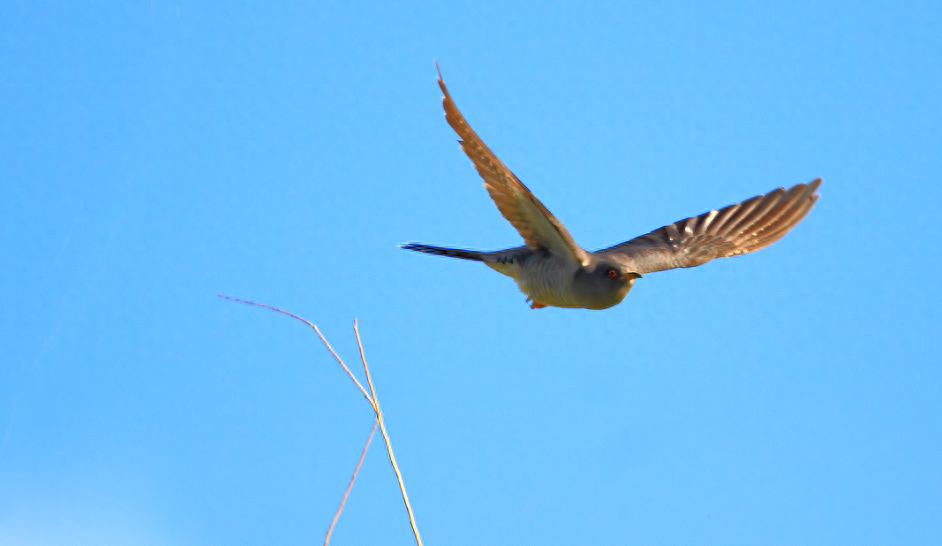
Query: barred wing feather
(737,229)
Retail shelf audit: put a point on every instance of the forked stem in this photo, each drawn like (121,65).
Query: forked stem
(374,403)
(382,429)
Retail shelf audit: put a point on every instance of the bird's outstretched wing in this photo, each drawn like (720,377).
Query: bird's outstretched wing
(536,224)
(737,229)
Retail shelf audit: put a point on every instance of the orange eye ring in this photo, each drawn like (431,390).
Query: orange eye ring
(612,273)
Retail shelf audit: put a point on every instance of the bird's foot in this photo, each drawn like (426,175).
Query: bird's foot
(536,305)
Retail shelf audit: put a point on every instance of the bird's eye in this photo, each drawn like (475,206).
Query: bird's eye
(612,273)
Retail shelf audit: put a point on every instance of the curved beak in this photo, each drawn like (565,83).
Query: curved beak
(630,276)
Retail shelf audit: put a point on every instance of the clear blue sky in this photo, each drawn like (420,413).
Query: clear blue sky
(155,153)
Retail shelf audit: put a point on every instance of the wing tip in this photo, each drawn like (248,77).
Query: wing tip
(441,80)
(815,184)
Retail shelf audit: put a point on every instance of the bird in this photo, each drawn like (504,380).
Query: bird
(553,271)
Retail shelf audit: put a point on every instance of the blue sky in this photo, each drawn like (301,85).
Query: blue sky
(154,154)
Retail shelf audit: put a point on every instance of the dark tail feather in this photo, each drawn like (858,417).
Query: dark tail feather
(451,252)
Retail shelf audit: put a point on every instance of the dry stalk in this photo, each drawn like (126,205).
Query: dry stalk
(382,429)
(319,334)
(374,403)
(350,485)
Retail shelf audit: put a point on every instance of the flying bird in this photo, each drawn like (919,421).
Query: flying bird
(552,270)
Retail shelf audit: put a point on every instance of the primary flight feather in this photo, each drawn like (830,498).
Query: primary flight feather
(552,270)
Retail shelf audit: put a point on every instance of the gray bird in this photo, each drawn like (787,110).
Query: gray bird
(552,270)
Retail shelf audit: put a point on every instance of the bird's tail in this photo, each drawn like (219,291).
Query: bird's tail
(451,252)
(506,262)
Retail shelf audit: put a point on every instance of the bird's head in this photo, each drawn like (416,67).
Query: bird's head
(604,283)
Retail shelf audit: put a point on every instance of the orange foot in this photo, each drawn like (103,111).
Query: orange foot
(536,305)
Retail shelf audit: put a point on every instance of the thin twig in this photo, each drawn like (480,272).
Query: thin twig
(382,429)
(374,403)
(319,334)
(350,485)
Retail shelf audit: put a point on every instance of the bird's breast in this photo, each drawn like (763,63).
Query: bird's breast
(548,280)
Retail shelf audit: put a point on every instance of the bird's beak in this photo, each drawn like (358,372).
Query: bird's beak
(631,276)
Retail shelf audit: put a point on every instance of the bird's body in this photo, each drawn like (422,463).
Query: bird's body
(552,270)
(548,279)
